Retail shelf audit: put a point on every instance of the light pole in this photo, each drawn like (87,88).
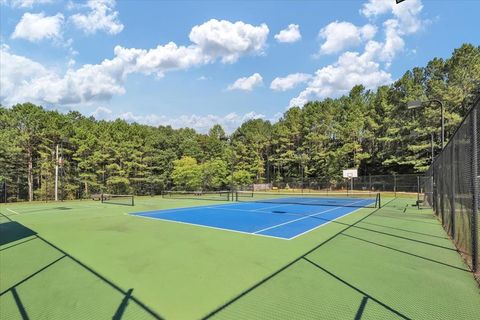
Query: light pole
(420,104)
(56,172)
(303,157)
(431,148)
(62,172)
(59,170)
(232,159)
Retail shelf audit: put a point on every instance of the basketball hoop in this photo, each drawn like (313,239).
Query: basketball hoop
(350,173)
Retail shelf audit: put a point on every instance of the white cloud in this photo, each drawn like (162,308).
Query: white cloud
(393,41)
(406,21)
(349,70)
(99,82)
(25,80)
(15,71)
(289,35)
(340,35)
(24,3)
(406,12)
(354,68)
(201,123)
(376,7)
(160,59)
(102,113)
(36,27)
(228,41)
(247,83)
(101,17)
(289,82)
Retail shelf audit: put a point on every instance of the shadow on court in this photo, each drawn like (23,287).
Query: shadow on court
(12,231)
(40,280)
(63,208)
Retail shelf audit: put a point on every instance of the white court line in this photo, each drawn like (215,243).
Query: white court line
(13,211)
(302,218)
(210,227)
(323,224)
(188,208)
(229,209)
(50,210)
(271,207)
(249,210)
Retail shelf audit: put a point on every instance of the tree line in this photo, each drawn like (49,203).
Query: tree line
(369,130)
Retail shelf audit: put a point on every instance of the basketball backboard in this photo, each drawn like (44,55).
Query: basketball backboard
(350,173)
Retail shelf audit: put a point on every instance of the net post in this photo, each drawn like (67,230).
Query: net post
(101,197)
(133,200)
(474,164)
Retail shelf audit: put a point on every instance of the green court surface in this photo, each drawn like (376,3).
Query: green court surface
(88,260)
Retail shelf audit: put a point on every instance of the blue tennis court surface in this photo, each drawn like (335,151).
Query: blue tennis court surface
(279,220)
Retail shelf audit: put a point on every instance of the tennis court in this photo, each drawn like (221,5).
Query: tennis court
(275,215)
(92,260)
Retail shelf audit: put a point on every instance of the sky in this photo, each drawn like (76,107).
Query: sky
(198,63)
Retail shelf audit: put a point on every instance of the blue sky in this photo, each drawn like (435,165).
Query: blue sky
(196,63)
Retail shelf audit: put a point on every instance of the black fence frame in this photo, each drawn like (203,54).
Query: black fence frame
(451,187)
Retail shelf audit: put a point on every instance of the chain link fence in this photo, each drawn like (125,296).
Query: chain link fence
(16,189)
(378,183)
(451,187)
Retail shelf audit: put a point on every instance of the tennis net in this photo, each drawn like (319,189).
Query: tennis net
(120,199)
(198,195)
(337,199)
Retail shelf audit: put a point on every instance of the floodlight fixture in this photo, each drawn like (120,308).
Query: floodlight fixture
(419,104)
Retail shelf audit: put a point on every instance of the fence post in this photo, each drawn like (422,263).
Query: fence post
(442,190)
(452,199)
(474,164)
(418,192)
(5,190)
(395,185)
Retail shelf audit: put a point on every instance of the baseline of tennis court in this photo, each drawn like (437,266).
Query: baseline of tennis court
(278,220)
